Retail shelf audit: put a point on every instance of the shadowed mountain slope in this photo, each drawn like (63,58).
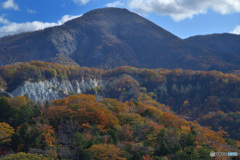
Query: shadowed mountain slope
(111,37)
(219,42)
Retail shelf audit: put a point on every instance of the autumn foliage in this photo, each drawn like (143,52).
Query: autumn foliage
(107,151)
(6,132)
(139,114)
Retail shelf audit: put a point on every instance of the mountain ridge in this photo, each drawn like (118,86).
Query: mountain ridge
(112,37)
(225,42)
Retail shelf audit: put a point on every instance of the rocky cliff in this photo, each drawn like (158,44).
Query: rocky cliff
(55,89)
(5,94)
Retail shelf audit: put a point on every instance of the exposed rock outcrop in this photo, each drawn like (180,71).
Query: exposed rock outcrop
(55,89)
(5,94)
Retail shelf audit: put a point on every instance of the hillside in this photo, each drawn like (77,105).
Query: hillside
(123,113)
(227,43)
(193,95)
(82,127)
(112,37)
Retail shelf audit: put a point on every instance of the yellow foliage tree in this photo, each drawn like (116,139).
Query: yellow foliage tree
(106,152)
(26,156)
(6,132)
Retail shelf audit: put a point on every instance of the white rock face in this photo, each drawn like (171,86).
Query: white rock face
(182,89)
(54,89)
(4,93)
(161,90)
(185,89)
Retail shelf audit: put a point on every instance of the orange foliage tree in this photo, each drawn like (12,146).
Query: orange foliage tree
(19,101)
(47,134)
(107,152)
(85,108)
(126,133)
(147,157)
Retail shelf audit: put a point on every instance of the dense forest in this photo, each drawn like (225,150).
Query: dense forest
(139,114)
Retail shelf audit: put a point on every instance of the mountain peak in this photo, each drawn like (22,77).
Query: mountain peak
(108,38)
(102,12)
(108,10)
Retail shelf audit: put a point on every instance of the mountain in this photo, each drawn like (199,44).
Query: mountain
(112,37)
(228,43)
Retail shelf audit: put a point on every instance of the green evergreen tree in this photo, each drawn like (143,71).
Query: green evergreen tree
(16,140)
(80,144)
(159,158)
(162,135)
(23,131)
(192,153)
(36,143)
(26,114)
(114,136)
(87,155)
(164,150)
(6,110)
(204,154)
(190,139)
(180,155)
(176,147)
(193,131)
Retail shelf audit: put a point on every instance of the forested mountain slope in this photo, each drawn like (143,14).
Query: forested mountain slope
(193,95)
(84,127)
(228,43)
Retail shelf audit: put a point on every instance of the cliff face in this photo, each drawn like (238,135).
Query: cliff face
(54,89)
(5,94)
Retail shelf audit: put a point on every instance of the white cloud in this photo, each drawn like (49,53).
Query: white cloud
(66,18)
(9,4)
(115,4)
(81,2)
(182,9)
(3,20)
(14,28)
(31,11)
(236,30)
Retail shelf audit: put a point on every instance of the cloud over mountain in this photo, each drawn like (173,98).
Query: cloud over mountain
(181,9)
(236,30)
(14,28)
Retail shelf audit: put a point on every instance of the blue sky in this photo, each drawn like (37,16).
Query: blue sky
(183,18)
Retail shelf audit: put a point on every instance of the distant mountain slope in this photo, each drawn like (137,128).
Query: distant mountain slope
(111,37)
(219,42)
